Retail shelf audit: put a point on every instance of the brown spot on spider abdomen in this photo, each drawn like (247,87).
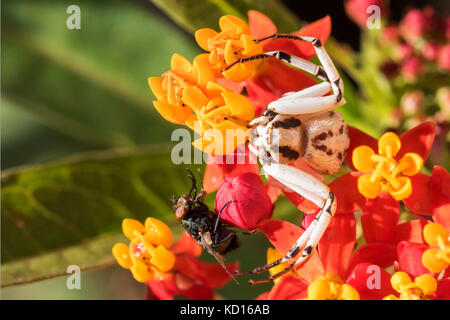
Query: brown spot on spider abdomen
(326,142)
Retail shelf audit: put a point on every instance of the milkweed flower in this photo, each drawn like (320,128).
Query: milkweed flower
(230,44)
(167,270)
(422,288)
(384,171)
(437,258)
(148,253)
(168,89)
(332,272)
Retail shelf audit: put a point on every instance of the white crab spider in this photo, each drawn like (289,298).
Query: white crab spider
(302,124)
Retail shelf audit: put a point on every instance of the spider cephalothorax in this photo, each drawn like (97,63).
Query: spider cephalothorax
(304,125)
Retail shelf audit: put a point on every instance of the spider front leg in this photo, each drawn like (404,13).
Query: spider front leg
(313,190)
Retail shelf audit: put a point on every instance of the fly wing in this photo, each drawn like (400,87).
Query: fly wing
(205,242)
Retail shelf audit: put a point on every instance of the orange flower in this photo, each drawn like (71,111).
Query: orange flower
(233,42)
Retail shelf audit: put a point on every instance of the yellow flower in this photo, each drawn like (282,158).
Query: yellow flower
(221,120)
(329,288)
(422,288)
(385,173)
(437,258)
(168,89)
(147,255)
(233,42)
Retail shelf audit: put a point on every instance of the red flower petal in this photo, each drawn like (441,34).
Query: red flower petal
(358,138)
(260,25)
(410,231)
(289,287)
(410,258)
(337,243)
(272,189)
(381,254)
(219,167)
(380,217)
(263,296)
(419,201)
(281,234)
(301,203)
(186,244)
(348,197)
(440,191)
(274,78)
(236,87)
(418,139)
(166,290)
(160,289)
(319,29)
(443,290)
(201,271)
(371,281)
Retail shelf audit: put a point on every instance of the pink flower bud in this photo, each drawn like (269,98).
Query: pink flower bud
(250,205)
(430,51)
(404,51)
(416,24)
(411,68)
(444,58)
(357,10)
(412,103)
(389,34)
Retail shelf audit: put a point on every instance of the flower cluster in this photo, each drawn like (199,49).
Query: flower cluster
(413,61)
(206,98)
(402,250)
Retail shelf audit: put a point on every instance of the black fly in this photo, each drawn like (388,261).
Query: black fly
(204,225)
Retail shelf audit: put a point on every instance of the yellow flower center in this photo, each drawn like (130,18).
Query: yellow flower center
(168,89)
(437,258)
(331,288)
(385,173)
(233,42)
(147,255)
(422,288)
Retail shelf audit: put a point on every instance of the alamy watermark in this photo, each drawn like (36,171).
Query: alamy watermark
(74,280)
(374,20)
(74,20)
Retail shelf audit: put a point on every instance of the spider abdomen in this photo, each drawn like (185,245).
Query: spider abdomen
(327,143)
(286,139)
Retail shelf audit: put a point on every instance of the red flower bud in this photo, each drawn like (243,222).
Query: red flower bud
(404,51)
(430,51)
(416,24)
(390,34)
(411,68)
(357,10)
(444,58)
(250,205)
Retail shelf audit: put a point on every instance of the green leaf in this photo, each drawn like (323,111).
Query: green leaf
(70,212)
(193,15)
